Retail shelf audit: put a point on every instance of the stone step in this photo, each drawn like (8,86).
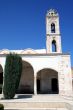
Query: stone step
(40,109)
(34,105)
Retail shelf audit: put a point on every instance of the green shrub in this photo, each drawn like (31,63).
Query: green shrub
(1,107)
(12,74)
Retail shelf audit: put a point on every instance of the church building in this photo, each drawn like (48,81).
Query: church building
(45,71)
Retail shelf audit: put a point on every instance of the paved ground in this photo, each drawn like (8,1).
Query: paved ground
(38,98)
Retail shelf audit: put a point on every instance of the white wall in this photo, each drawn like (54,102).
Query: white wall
(60,63)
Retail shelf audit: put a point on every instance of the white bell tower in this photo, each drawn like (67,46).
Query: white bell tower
(53,38)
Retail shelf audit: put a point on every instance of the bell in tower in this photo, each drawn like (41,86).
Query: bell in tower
(53,38)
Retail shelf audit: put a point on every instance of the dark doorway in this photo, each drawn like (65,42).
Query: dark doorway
(38,86)
(54,86)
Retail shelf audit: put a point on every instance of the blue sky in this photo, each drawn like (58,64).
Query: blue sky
(22,23)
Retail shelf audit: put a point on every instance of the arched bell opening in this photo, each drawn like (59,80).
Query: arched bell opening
(54,48)
(52,28)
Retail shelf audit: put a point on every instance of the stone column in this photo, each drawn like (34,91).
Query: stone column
(35,85)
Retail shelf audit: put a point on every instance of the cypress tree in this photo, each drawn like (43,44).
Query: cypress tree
(12,74)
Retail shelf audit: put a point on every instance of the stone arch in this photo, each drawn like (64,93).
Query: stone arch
(26,85)
(47,81)
(54,47)
(1,78)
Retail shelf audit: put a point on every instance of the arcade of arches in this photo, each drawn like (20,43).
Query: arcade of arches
(46,80)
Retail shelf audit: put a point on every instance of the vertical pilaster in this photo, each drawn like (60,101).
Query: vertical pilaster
(35,85)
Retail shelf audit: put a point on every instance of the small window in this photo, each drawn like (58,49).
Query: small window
(52,28)
(54,46)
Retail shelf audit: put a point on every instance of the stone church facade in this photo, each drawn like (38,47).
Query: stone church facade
(45,71)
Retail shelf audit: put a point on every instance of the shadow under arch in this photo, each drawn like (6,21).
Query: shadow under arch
(1,78)
(26,85)
(47,81)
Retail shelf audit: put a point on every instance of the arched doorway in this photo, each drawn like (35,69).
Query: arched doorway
(47,82)
(26,85)
(1,78)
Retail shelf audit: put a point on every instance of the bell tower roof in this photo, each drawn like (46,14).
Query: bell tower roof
(52,12)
